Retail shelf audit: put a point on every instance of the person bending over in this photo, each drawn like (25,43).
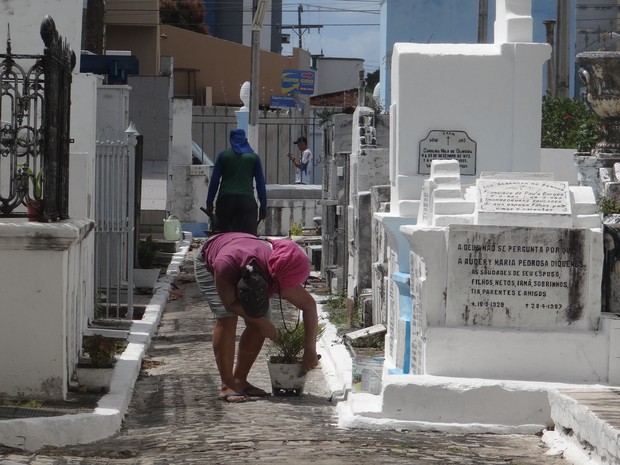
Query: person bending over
(237,273)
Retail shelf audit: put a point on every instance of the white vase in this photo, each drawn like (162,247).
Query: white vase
(287,379)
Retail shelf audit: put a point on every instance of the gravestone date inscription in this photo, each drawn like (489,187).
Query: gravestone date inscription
(503,195)
(447,145)
(516,276)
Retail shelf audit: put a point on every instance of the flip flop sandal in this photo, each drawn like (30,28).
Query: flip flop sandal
(232,397)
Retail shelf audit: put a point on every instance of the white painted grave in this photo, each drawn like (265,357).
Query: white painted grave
(510,290)
(477,103)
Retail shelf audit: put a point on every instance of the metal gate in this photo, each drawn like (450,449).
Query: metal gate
(115,220)
(276,133)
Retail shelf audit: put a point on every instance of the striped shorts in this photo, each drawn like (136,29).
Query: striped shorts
(204,280)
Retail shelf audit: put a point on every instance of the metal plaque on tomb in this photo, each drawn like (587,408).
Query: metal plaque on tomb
(447,145)
(519,277)
(511,202)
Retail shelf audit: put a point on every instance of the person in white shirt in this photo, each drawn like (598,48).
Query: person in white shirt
(304,163)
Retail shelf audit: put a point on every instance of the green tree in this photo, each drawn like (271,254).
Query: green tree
(568,123)
(372,79)
(186,14)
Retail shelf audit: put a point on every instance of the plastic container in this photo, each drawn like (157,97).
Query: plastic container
(367,374)
(172,228)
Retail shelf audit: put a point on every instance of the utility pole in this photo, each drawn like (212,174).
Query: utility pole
(300,28)
(257,25)
(549,27)
(562,65)
(483,19)
(300,10)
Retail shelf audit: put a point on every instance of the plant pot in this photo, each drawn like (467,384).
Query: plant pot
(287,379)
(145,278)
(35,210)
(94,379)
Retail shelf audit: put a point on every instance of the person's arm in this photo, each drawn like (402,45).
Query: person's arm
(298,164)
(227,292)
(261,188)
(302,299)
(214,184)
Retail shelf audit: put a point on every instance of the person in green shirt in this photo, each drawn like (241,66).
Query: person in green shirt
(234,173)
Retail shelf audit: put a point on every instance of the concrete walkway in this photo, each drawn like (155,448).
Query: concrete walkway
(168,411)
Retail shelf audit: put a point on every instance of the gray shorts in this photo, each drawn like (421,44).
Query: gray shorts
(205,282)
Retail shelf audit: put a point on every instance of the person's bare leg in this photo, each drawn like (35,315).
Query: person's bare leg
(250,345)
(224,334)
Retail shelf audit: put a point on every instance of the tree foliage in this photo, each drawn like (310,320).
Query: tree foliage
(372,79)
(568,123)
(186,14)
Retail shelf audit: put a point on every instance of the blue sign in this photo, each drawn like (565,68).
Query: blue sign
(294,80)
(281,101)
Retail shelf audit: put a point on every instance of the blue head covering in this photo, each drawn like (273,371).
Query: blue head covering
(239,142)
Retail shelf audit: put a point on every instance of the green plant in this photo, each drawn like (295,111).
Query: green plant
(336,309)
(568,123)
(608,206)
(289,344)
(337,302)
(100,308)
(21,403)
(374,341)
(100,350)
(146,252)
(36,179)
(297,229)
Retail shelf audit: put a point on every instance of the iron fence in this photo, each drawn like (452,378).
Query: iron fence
(115,219)
(34,142)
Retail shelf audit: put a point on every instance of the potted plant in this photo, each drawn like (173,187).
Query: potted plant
(95,370)
(287,373)
(35,204)
(145,275)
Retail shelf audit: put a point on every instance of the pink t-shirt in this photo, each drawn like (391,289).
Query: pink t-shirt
(227,254)
(281,260)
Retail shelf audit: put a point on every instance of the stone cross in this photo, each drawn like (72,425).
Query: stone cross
(513,21)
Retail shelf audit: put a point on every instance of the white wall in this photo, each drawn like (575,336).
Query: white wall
(24,18)
(82,161)
(44,293)
(112,112)
(337,74)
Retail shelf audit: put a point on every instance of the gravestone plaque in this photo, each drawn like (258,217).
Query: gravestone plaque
(447,145)
(510,196)
(517,277)
(511,202)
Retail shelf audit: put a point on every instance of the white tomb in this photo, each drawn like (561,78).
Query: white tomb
(511,288)
(479,103)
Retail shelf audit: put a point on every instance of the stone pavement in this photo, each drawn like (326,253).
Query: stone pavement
(175,417)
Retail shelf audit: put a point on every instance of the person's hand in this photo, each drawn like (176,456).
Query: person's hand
(210,211)
(262,214)
(263,326)
(290,156)
(311,360)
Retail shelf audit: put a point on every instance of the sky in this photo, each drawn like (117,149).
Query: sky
(350,29)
